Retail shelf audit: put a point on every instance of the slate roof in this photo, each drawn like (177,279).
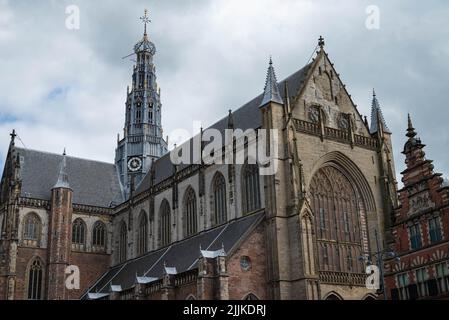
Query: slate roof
(93,183)
(246,117)
(182,255)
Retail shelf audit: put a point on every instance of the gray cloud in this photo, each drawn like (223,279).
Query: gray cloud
(67,88)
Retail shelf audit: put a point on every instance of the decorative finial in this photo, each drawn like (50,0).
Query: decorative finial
(145,19)
(321,42)
(13,135)
(64,153)
(411,133)
(374,93)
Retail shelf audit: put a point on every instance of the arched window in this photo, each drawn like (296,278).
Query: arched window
(35,275)
(165,224)
(78,234)
(250,188)
(31,229)
(219,199)
(190,215)
(99,236)
(123,242)
(337,206)
(250,296)
(142,234)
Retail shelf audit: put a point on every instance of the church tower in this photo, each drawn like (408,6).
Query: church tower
(143,141)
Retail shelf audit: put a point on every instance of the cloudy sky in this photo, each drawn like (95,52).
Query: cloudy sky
(66,88)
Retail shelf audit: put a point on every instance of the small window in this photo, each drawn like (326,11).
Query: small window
(435,230)
(442,276)
(99,236)
(402,281)
(421,278)
(78,234)
(31,230)
(415,237)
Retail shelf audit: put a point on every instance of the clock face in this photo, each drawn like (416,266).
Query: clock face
(134,164)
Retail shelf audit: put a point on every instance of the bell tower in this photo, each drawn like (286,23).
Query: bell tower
(142,142)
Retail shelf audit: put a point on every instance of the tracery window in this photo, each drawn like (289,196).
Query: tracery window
(78,234)
(250,188)
(142,235)
(219,199)
(99,236)
(123,242)
(35,275)
(190,213)
(165,224)
(31,229)
(337,207)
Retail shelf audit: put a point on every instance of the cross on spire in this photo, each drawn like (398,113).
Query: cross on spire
(321,42)
(145,19)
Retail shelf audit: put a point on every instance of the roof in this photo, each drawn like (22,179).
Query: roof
(180,256)
(246,117)
(93,183)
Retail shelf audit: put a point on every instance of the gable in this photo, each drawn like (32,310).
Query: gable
(324,88)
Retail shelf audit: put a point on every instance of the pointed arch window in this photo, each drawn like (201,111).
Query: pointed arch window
(250,188)
(123,242)
(35,279)
(338,207)
(165,224)
(78,234)
(142,235)
(31,230)
(250,296)
(190,213)
(219,199)
(99,236)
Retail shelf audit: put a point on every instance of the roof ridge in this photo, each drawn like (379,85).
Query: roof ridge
(67,156)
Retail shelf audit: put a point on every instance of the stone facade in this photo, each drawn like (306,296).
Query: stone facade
(307,245)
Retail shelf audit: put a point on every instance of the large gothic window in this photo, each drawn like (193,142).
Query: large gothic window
(142,235)
(99,236)
(35,275)
(165,224)
(123,242)
(78,234)
(219,199)
(250,188)
(31,229)
(336,206)
(190,215)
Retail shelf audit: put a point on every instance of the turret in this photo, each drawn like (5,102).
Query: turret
(59,234)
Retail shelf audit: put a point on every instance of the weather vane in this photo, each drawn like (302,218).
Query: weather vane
(145,19)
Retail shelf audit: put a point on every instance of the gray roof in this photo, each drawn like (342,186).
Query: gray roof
(93,183)
(246,117)
(182,255)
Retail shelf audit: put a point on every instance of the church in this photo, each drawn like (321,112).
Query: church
(145,228)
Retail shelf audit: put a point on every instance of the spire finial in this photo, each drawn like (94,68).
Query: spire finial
(411,133)
(64,153)
(145,19)
(321,42)
(271,91)
(13,135)
(374,93)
